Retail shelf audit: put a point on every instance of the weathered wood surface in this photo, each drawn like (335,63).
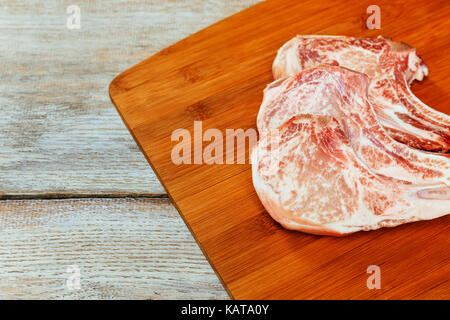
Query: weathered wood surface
(124,249)
(61,137)
(253,255)
(59,133)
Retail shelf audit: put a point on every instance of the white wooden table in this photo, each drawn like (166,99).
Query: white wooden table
(75,192)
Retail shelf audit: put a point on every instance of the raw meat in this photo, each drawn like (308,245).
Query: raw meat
(391,67)
(309,178)
(342,93)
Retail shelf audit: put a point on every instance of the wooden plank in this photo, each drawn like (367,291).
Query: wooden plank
(59,133)
(217,76)
(124,249)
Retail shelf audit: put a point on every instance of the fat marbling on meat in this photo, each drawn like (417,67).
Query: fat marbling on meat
(391,67)
(310,179)
(342,93)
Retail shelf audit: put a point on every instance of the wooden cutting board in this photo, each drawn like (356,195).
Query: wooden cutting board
(217,76)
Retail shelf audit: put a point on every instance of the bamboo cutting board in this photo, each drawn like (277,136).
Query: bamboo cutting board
(217,76)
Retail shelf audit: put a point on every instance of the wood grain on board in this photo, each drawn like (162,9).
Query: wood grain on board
(217,76)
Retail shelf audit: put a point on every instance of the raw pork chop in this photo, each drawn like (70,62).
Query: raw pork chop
(391,67)
(342,93)
(320,185)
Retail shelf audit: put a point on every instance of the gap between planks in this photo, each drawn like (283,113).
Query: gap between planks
(74,196)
